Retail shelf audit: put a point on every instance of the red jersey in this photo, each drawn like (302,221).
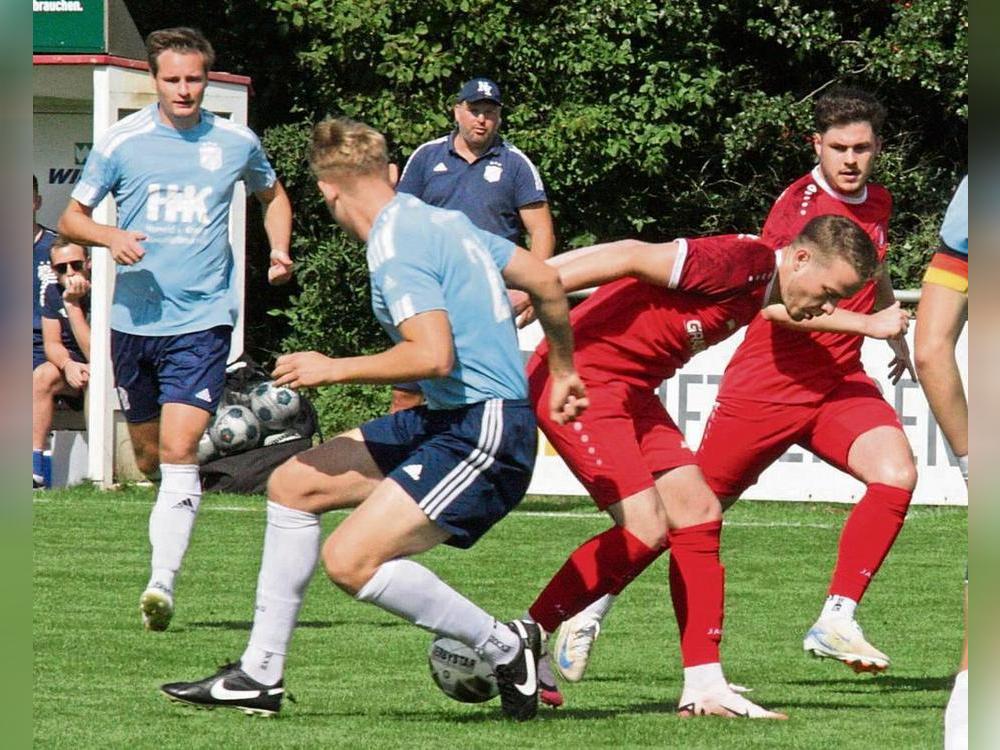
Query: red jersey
(635,332)
(778,364)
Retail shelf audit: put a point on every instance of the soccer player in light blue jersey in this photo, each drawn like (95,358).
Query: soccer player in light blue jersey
(442,472)
(941,316)
(171,168)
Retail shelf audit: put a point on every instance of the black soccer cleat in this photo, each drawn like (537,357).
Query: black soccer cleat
(518,680)
(230,687)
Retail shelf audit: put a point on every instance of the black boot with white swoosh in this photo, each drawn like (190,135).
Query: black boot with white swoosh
(518,680)
(230,687)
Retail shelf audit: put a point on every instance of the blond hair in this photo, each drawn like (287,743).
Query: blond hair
(345,147)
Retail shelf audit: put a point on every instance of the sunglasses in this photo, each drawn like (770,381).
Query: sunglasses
(77,265)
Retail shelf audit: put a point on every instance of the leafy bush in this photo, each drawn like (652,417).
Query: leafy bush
(644,118)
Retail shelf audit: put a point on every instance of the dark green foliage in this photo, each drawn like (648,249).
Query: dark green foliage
(645,118)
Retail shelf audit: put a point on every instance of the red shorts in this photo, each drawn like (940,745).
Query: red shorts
(620,444)
(742,437)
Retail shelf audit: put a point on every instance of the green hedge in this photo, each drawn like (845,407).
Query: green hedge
(645,118)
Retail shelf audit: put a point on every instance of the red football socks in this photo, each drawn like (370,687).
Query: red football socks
(697,588)
(603,564)
(867,538)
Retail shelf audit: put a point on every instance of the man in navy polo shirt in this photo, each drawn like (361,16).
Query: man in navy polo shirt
(477,172)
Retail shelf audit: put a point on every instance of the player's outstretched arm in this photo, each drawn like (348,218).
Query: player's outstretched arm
(426,351)
(888,323)
(278,227)
(77,225)
(568,398)
(598,264)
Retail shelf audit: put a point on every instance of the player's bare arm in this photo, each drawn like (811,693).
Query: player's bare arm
(425,352)
(77,224)
(527,273)
(884,324)
(591,266)
(599,264)
(537,220)
(901,361)
(278,227)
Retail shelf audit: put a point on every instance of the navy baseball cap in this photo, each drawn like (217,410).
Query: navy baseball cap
(480,89)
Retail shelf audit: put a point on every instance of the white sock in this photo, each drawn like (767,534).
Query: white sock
(291,549)
(956,715)
(705,677)
(172,520)
(839,606)
(411,591)
(963,464)
(599,609)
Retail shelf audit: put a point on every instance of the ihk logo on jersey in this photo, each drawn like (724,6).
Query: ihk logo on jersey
(174,203)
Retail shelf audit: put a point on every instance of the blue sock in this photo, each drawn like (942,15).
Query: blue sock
(37,468)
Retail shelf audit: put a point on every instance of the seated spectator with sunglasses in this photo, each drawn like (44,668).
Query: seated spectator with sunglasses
(61,368)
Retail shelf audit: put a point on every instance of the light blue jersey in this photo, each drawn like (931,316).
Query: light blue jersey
(423,258)
(955,227)
(174,186)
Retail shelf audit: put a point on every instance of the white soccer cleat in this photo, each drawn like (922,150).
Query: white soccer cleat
(841,639)
(157,607)
(722,702)
(573,645)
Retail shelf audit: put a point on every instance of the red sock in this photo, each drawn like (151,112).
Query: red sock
(602,564)
(697,588)
(867,538)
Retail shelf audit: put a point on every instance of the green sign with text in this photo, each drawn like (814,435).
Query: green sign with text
(68,26)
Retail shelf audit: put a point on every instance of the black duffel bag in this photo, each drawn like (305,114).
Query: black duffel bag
(247,472)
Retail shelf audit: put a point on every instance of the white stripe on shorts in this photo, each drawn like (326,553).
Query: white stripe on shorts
(472,466)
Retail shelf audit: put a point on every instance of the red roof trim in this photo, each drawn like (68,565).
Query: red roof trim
(124,62)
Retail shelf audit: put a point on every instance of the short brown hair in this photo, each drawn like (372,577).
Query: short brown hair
(842,105)
(837,236)
(62,241)
(179,39)
(345,147)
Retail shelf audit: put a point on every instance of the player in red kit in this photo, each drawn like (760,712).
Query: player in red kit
(660,305)
(803,383)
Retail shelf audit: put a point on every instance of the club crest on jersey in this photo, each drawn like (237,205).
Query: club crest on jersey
(696,335)
(210,156)
(493,172)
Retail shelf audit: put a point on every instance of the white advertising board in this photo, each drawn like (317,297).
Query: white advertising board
(798,475)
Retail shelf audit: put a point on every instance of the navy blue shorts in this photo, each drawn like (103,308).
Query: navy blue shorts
(38,356)
(189,368)
(466,468)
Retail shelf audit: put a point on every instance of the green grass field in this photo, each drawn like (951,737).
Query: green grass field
(360,676)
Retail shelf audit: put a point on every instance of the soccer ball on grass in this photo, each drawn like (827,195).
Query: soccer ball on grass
(460,672)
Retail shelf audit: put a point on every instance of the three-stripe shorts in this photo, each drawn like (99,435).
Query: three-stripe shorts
(466,468)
